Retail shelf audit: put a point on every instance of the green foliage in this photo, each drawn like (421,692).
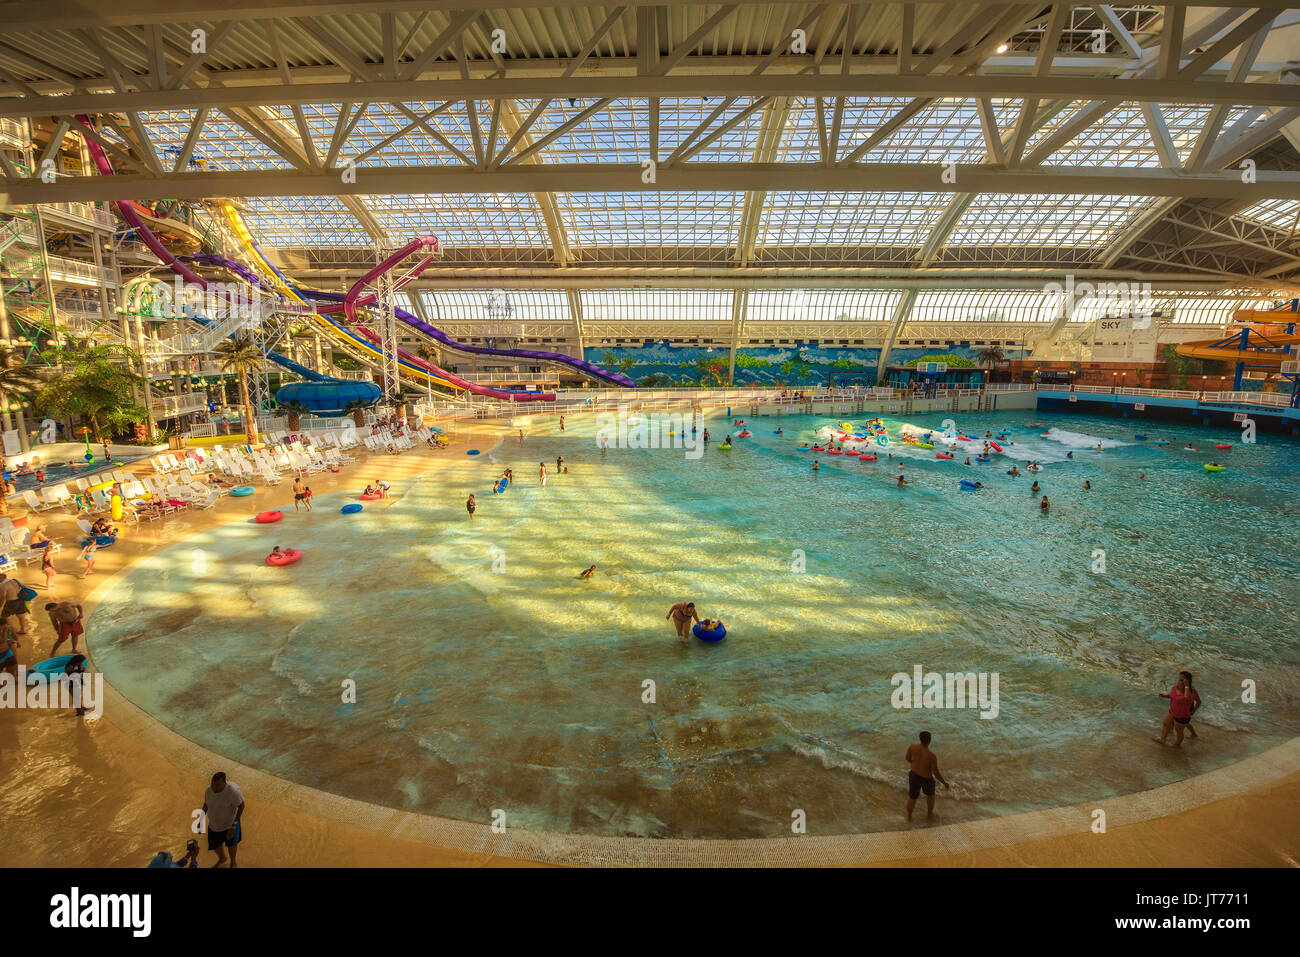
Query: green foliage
(346,363)
(954,362)
(1182,365)
(95,382)
(744,361)
(712,371)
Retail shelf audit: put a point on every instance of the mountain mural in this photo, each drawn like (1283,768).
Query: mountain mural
(664,364)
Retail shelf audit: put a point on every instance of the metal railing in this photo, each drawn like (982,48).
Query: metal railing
(169,406)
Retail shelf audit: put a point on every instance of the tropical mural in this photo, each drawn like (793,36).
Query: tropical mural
(665,364)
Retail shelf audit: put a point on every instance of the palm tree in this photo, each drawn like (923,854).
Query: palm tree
(98,382)
(240,356)
(295,411)
(357,409)
(990,356)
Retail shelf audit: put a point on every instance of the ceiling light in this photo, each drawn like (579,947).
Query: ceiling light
(1003,48)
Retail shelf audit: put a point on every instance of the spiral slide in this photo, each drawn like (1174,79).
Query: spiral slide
(581,365)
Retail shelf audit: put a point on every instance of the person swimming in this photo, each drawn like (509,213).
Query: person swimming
(1035,487)
(817,467)
(902,481)
(1069,455)
(778,432)
(1044,504)
(967,462)
(589,572)
(1087,484)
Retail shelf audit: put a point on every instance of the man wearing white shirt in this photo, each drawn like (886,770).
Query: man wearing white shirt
(223,806)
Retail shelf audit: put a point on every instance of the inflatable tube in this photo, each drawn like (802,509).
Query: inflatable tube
(103,541)
(241,491)
(925,445)
(818,448)
(970,485)
(1223,446)
(53,667)
(471,452)
(286,557)
(717,634)
(943,455)
(803,448)
(869,458)
(846,426)
(1162,442)
(724,447)
(744,435)
(834,451)
(995,447)
(26,594)
(1214,468)
(963,438)
(1140,438)
(982,458)
(853,454)
(266,518)
(498,488)
(882,440)
(350,509)
(371,497)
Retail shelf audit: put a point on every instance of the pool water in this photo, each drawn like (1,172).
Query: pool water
(63,473)
(490,676)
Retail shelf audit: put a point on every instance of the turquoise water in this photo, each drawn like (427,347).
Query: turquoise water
(489,676)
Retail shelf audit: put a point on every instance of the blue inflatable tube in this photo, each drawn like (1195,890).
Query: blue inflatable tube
(103,541)
(968,484)
(717,634)
(53,667)
(350,509)
(500,486)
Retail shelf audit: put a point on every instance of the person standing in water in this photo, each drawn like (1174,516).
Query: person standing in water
(922,769)
(15,613)
(521,436)
(1183,703)
(47,566)
(681,615)
(300,494)
(559,464)
(541,473)
(65,619)
(470,505)
(561,423)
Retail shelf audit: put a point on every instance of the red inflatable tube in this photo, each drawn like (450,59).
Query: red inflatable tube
(266,518)
(286,557)
(371,497)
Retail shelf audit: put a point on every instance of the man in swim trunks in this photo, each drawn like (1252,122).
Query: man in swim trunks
(470,505)
(559,464)
(300,494)
(681,614)
(13,609)
(923,768)
(223,806)
(65,619)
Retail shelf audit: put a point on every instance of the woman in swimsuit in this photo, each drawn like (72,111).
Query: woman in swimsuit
(470,505)
(88,556)
(47,566)
(1183,703)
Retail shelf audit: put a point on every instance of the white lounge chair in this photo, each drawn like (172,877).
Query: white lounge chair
(35,504)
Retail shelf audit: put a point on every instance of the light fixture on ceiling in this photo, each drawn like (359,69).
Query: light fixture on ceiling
(1003,47)
(573,101)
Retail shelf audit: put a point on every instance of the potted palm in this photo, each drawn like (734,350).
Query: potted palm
(295,411)
(357,409)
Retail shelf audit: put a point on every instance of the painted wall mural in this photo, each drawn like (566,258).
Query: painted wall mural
(664,364)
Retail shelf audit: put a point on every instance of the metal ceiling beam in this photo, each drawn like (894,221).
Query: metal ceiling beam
(70,14)
(624,87)
(614,177)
